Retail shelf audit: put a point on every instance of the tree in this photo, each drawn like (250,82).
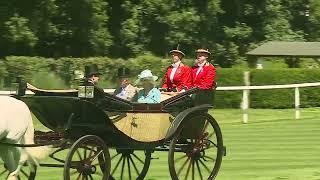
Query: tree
(18,36)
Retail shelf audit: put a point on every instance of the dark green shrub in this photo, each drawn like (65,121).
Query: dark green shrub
(228,77)
(284,98)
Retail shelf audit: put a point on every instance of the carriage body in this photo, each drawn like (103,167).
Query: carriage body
(176,125)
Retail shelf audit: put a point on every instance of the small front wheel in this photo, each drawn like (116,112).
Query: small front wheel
(88,158)
(196,151)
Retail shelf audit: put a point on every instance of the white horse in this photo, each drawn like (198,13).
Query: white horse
(16,127)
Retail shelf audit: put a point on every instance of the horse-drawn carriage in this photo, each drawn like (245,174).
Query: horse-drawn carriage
(112,138)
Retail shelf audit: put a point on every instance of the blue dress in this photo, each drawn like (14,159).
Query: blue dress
(152,97)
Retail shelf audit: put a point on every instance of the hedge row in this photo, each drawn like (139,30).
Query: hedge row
(60,73)
(284,98)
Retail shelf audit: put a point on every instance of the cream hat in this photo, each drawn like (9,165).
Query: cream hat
(146,74)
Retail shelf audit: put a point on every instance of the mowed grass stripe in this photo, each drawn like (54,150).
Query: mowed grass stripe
(272,146)
(272,150)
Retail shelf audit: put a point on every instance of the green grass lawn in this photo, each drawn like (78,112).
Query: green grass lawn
(271,146)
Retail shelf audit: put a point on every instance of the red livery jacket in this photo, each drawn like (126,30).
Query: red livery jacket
(182,78)
(205,80)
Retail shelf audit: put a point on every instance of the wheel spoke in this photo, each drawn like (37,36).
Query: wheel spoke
(84,153)
(115,155)
(188,169)
(205,126)
(129,170)
(134,165)
(208,157)
(199,170)
(116,167)
(79,155)
(211,134)
(204,165)
(123,165)
(213,143)
(90,177)
(74,164)
(137,158)
(95,156)
(84,177)
(24,173)
(180,158)
(91,151)
(79,176)
(100,163)
(183,165)
(192,169)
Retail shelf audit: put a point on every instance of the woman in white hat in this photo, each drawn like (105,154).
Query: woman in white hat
(149,94)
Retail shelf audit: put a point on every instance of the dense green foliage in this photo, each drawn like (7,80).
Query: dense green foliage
(229,77)
(127,28)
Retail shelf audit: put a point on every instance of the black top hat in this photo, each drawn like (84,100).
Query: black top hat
(90,70)
(123,72)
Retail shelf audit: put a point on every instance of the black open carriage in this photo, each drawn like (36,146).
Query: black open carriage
(111,138)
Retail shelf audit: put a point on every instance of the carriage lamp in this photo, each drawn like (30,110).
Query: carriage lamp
(18,87)
(86,91)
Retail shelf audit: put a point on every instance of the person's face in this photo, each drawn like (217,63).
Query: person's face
(176,57)
(95,78)
(124,82)
(201,57)
(146,83)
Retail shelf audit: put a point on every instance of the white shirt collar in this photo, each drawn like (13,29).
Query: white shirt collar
(202,64)
(175,65)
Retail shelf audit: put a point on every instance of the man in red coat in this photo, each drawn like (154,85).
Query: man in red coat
(178,77)
(203,74)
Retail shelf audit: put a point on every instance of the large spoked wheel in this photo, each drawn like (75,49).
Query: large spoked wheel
(128,164)
(26,172)
(87,159)
(196,151)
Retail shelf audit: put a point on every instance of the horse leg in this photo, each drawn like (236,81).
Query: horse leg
(9,160)
(12,162)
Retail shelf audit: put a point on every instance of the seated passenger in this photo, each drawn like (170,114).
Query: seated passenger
(204,74)
(92,76)
(149,94)
(178,77)
(125,90)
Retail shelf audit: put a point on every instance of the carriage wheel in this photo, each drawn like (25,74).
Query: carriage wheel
(197,156)
(87,159)
(25,172)
(129,164)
